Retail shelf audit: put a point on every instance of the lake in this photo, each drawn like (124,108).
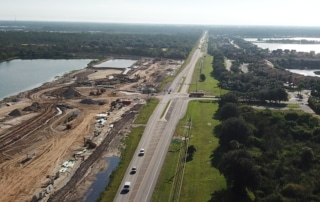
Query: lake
(21,75)
(297,47)
(304,72)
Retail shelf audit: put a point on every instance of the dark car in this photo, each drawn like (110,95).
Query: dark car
(133,170)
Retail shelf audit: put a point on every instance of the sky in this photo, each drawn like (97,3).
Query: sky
(202,12)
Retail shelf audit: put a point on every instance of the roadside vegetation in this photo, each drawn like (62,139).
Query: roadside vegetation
(131,142)
(206,82)
(146,111)
(199,175)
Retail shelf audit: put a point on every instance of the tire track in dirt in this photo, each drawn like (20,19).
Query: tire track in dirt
(21,131)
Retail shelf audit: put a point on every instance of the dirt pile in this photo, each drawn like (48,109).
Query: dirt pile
(71,93)
(88,102)
(15,112)
(35,107)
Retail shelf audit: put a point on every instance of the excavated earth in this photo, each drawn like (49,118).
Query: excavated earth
(51,142)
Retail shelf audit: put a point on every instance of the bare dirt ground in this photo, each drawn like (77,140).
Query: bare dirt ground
(56,122)
(101,74)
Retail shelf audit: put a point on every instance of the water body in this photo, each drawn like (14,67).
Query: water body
(117,63)
(280,38)
(102,180)
(304,72)
(21,75)
(297,47)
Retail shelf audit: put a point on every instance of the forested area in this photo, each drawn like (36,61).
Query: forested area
(273,154)
(170,42)
(264,155)
(262,82)
(265,31)
(251,86)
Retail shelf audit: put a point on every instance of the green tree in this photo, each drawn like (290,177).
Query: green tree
(202,77)
(229,110)
(234,129)
(240,171)
(228,98)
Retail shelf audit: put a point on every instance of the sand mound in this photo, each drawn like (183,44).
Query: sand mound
(35,107)
(15,112)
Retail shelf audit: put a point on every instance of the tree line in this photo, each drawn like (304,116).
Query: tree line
(48,45)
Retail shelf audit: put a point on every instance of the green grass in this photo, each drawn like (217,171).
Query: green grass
(131,142)
(165,109)
(292,105)
(210,84)
(147,110)
(200,178)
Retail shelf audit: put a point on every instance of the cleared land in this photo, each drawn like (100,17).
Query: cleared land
(43,128)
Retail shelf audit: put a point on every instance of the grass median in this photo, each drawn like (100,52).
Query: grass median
(200,179)
(209,85)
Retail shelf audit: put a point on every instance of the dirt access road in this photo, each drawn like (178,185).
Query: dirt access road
(43,128)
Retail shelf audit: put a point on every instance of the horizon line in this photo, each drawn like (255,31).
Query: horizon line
(159,23)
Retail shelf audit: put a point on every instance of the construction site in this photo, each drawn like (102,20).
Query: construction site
(58,133)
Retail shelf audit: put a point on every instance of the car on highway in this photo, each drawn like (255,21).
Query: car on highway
(141,152)
(126,187)
(133,170)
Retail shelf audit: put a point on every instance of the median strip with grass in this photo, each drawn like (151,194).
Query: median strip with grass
(165,109)
(209,85)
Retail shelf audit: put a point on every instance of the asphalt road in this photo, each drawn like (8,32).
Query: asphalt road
(157,137)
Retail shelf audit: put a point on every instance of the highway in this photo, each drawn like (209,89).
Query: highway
(157,137)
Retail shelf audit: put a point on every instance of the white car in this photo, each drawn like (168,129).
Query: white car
(141,153)
(126,187)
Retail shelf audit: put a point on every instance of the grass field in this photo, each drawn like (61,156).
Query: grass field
(200,180)
(210,84)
